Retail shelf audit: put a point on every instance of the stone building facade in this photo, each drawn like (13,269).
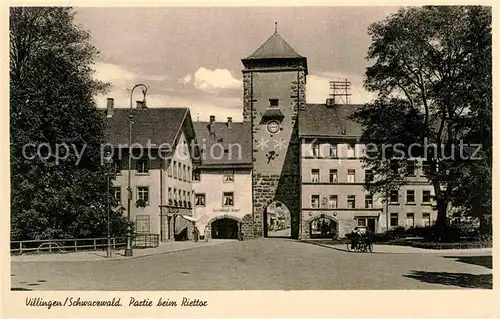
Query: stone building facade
(300,159)
(162,192)
(222,180)
(274,81)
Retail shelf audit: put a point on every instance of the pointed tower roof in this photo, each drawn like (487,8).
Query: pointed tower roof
(274,47)
(275,53)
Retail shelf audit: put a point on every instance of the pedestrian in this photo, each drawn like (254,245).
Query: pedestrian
(196,233)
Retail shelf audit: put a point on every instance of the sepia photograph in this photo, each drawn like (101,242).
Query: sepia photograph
(249,148)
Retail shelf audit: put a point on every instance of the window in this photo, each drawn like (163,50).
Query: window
(117,193)
(410,168)
(170,169)
(189,174)
(351,175)
(174,168)
(184,198)
(361,222)
(199,199)
(117,166)
(410,220)
(332,201)
(394,166)
(410,196)
(228,177)
(182,168)
(274,102)
(425,167)
(170,196)
(426,196)
(315,201)
(315,175)
(350,150)
(334,176)
(142,224)
(228,199)
(142,166)
(143,193)
(196,175)
(351,201)
(332,151)
(426,219)
(394,219)
(368,176)
(368,201)
(394,198)
(315,149)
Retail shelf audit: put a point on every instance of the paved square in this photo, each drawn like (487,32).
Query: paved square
(260,264)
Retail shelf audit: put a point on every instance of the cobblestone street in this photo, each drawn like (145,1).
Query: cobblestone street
(264,264)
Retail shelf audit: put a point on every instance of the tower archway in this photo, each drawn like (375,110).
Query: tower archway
(277,220)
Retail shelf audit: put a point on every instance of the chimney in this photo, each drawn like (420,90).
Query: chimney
(229,122)
(110,105)
(141,105)
(211,125)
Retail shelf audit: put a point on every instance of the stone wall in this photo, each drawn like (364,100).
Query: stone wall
(280,179)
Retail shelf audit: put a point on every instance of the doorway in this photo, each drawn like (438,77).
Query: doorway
(323,227)
(225,228)
(277,221)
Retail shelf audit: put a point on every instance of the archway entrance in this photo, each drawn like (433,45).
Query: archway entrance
(277,220)
(323,227)
(225,228)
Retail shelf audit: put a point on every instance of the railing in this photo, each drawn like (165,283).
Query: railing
(146,240)
(80,244)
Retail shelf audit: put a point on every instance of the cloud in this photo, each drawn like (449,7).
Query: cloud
(185,79)
(113,73)
(214,80)
(318,87)
(119,76)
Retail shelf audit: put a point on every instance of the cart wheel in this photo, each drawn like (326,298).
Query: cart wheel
(370,247)
(349,247)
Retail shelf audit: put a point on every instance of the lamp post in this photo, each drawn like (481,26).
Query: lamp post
(108,246)
(128,249)
(108,162)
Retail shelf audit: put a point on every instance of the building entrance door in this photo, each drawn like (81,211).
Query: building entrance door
(371,224)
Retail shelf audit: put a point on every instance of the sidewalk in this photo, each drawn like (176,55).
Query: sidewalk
(100,255)
(395,249)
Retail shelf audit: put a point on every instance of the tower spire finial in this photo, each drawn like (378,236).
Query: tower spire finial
(275,27)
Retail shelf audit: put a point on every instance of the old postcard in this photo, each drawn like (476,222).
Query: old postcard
(250,161)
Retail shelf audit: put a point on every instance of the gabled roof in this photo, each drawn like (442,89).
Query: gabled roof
(156,125)
(228,137)
(274,47)
(319,120)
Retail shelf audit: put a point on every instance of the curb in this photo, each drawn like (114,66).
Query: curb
(425,251)
(117,257)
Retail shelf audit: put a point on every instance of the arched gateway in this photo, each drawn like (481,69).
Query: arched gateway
(224,227)
(277,220)
(274,82)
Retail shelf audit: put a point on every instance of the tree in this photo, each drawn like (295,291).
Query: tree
(51,106)
(432,73)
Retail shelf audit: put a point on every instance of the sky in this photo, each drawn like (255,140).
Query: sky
(191,57)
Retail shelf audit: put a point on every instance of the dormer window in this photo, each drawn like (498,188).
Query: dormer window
(274,102)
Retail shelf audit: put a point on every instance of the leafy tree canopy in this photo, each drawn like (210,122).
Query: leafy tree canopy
(51,103)
(432,74)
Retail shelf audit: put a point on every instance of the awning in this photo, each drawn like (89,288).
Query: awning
(189,218)
(366,214)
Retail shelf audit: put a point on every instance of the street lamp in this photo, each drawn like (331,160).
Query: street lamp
(128,249)
(108,162)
